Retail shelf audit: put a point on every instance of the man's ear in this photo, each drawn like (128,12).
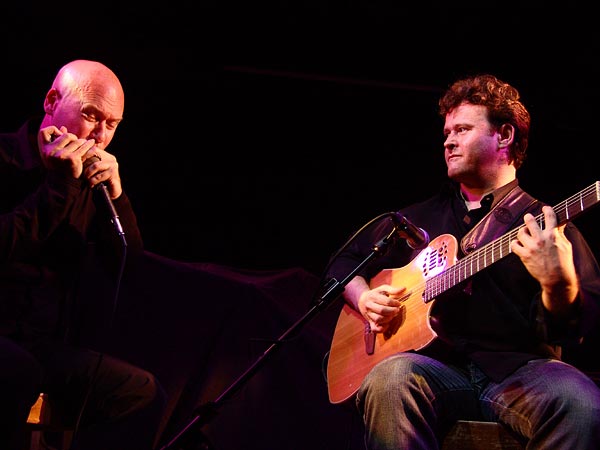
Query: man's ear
(506,135)
(50,101)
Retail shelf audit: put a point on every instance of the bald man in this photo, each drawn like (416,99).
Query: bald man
(51,215)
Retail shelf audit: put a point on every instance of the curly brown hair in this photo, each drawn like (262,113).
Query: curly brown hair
(503,105)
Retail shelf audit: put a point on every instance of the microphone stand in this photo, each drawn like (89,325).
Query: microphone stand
(333,290)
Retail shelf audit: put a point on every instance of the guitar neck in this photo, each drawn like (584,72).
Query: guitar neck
(497,249)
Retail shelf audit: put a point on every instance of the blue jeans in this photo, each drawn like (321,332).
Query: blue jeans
(409,401)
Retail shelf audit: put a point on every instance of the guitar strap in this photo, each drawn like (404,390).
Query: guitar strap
(500,219)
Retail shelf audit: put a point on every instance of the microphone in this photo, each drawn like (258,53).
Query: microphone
(103,190)
(416,238)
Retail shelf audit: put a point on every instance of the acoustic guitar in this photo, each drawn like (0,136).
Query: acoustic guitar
(355,349)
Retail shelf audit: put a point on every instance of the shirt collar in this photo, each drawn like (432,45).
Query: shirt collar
(492,198)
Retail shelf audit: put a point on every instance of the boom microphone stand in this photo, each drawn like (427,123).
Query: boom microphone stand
(333,289)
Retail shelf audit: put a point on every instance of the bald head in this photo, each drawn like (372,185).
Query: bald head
(81,76)
(87,98)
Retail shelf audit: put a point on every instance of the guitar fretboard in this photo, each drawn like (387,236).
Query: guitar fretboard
(499,248)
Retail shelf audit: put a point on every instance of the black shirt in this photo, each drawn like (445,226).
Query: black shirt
(47,222)
(495,317)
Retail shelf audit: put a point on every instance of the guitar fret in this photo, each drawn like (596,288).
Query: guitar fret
(499,248)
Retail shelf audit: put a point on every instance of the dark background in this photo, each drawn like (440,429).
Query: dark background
(262,136)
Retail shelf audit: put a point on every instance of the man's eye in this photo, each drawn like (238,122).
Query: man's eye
(89,117)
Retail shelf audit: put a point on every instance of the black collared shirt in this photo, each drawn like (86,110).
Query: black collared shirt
(495,318)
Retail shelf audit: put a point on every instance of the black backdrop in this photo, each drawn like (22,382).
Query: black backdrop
(263,136)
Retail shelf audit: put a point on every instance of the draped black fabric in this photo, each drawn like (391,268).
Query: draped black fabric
(199,327)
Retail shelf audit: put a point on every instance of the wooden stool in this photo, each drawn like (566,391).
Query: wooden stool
(473,435)
(40,421)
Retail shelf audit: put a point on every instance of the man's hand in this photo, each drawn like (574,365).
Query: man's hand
(62,151)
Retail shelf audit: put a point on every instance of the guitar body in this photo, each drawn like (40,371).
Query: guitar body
(355,349)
